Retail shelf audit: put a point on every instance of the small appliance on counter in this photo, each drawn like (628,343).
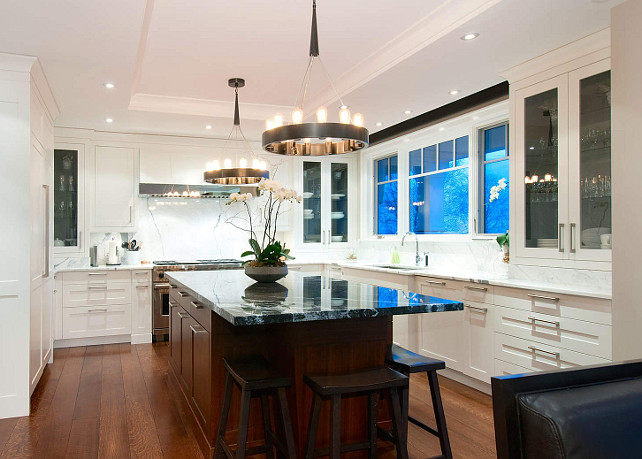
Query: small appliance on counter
(112,256)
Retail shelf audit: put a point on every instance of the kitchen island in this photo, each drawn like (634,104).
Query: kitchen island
(302,324)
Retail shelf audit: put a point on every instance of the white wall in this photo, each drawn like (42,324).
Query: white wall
(626,59)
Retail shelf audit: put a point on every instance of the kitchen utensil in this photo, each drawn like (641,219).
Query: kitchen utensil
(93,256)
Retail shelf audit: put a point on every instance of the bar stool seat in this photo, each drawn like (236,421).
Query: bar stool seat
(407,362)
(256,378)
(363,383)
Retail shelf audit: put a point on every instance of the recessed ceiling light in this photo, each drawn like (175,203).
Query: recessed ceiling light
(379,123)
(475,117)
(531,148)
(209,126)
(470,36)
(406,139)
(109,85)
(454,92)
(108,120)
(407,112)
(442,128)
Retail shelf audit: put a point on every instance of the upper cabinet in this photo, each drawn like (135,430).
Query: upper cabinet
(561,136)
(68,198)
(114,190)
(327,214)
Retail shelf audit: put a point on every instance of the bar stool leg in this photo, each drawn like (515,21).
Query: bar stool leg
(335,427)
(372,424)
(246,397)
(267,427)
(397,423)
(313,425)
(287,423)
(440,417)
(222,421)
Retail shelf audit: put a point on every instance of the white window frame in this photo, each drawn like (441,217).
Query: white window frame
(376,182)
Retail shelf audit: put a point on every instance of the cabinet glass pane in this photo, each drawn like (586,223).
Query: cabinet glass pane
(541,169)
(311,202)
(595,161)
(339,202)
(65,198)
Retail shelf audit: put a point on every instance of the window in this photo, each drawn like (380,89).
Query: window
(438,188)
(493,180)
(386,194)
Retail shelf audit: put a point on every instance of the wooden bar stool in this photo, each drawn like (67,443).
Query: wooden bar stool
(256,378)
(365,383)
(408,362)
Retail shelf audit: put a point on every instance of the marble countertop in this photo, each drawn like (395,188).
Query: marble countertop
(300,297)
(597,291)
(82,264)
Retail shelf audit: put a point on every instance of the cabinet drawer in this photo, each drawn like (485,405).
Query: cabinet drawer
(201,313)
(535,356)
(504,368)
(78,295)
(96,276)
(456,290)
(575,307)
(93,321)
(141,276)
(576,335)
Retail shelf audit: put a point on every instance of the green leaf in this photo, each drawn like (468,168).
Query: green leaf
(287,256)
(247,253)
(255,247)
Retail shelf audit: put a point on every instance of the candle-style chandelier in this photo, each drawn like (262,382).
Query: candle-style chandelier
(321,138)
(239,173)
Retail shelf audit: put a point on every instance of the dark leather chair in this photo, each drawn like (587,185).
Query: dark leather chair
(590,412)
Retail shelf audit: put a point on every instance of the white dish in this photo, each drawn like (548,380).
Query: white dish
(336,302)
(308,211)
(308,216)
(605,246)
(307,194)
(337,215)
(337,196)
(591,236)
(337,238)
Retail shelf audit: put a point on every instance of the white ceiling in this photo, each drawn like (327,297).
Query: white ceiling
(171,60)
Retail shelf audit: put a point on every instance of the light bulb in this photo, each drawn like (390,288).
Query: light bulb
(227,163)
(185,193)
(344,115)
(322,115)
(357,119)
(278,120)
(256,164)
(269,124)
(263,165)
(216,165)
(548,177)
(535,178)
(242,162)
(297,116)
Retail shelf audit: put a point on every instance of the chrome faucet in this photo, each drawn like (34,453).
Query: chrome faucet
(417,256)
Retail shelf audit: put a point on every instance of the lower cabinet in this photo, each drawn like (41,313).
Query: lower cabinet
(201,371)
(91,321)
(478,333)
(175,336)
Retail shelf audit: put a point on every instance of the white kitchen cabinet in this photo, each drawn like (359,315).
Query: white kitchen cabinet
(141,306)
(114,189)
(92,321)
(478,341)
(69,199)
(327,215)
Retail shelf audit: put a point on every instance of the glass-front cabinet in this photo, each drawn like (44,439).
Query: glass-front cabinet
(563,140)
(326,205)
(68,186)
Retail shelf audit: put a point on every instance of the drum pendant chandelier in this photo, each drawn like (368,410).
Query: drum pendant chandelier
(320,138)
(242,174)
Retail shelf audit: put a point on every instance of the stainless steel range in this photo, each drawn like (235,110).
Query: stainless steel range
(160,303)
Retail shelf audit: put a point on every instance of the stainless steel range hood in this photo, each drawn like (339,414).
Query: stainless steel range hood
(167,190)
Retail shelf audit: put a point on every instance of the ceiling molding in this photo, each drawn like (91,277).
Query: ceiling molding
(448,17)
(142,45)
(16,62)
(203,107)
(44,90)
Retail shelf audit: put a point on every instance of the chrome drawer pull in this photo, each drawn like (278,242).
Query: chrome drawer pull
(172,305)
(183,315)
(141,273)
(142,286)
(172,286)
(97,274)
(435,282)
(97,310)
(536,349)
(97,287)
(534,319)
(193,328)
(542,297)
(196,305)
(182,294)
(475,308)
(474,287)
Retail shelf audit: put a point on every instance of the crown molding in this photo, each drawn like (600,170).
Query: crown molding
(44,90)
(16,62)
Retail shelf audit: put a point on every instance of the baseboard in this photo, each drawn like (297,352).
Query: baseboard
(466,380)
(141,338)
(93,341)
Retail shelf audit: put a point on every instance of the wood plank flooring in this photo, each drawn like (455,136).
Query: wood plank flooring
(112,401)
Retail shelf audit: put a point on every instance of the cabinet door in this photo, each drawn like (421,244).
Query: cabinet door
(175,337)
(68,201)
(141,308)
(201,372)
(114,188)
(542,169)
(186,348)
(478,328)
(338,226)
(313,230)
(590,162)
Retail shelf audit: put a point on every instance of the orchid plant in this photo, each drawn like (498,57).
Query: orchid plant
(269,252)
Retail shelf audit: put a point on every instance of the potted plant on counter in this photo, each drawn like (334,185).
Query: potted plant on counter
(269,255)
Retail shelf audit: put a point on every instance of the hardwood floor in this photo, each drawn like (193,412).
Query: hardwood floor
(112,401)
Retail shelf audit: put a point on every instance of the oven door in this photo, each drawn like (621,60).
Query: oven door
(160,314)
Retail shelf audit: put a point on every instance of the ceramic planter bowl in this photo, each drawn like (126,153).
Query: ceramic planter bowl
(266,274)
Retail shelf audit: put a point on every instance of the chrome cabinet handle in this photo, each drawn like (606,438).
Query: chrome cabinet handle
(572,248)
(172,305)
(322,237)
(97,274)
(182,294)
(560,238)
(161,286)
(183,315)
(196,305)
(142,286)
(535,319)
(173,286)
(131,208)
(79,240)
(474,287)
(97,287)
(435,282)
(475,308)
(138,273)
(97,310)
(200,329)
(536,349)
(542,297)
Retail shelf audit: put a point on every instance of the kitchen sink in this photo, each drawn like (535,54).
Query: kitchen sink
(401,267)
